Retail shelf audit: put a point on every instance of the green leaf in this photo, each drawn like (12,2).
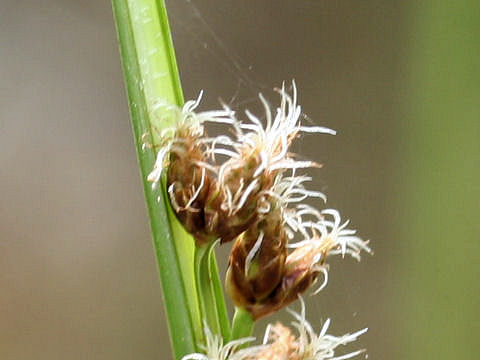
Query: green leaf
(218,293)
(210,292)
(439,191)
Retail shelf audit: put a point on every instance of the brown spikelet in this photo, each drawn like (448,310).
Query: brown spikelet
(297,276)
(219,211)
(265,243)
(227,214)
(187,180)
(283,346)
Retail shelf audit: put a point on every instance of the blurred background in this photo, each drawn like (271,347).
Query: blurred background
(398,80)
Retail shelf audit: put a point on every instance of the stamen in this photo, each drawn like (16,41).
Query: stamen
(268,113)
(348,356)
(250,188)
(171,192)
(224,152)
(317,129)
(267,333)
(324,271)
(195,195)
(291,164)
(238,194)
(207,166)
(259,127)
(263,164)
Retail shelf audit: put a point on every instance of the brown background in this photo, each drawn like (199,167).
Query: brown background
(77,271)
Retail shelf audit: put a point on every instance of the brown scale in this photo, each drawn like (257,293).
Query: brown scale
(274,279)
(210,216)
(257,289)
(266,267)
(207,218)
(186,176)
(220,221)
(298,275)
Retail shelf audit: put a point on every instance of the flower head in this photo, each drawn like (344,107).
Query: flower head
(258,258)
(289,192)
(272,141)
(254,159)
(281,344)
(330,237)
(216,350)
(326,238)
(221,199)
(188,127)
(260,152)
(183,155)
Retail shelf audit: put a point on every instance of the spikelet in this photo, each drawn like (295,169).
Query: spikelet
(298,342)
(221,200)
(280,343)
(183,155)
(277,278)
(257,156)
(257,260)
(249,198)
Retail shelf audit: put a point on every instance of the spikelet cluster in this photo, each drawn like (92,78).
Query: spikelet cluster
(245,187)
(282,343)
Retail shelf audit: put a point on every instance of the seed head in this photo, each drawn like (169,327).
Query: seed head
(280,343)
(221,199)
(183,154)
(215,349)
(245,187)
(256,157)
(257,260)
(329,237)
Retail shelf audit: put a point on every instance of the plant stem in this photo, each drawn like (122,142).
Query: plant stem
(152,80)
(242,325)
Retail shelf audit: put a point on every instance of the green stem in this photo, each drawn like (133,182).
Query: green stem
(152,79)
(192,288)
(242,325)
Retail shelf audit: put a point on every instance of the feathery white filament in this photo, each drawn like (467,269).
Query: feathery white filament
(185,118)
(197,192)
(321,346)
(216,350)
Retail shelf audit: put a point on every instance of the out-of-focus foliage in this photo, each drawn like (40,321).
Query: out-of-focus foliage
(439,185)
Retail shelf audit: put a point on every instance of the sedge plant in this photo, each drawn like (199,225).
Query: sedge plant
(243,189)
